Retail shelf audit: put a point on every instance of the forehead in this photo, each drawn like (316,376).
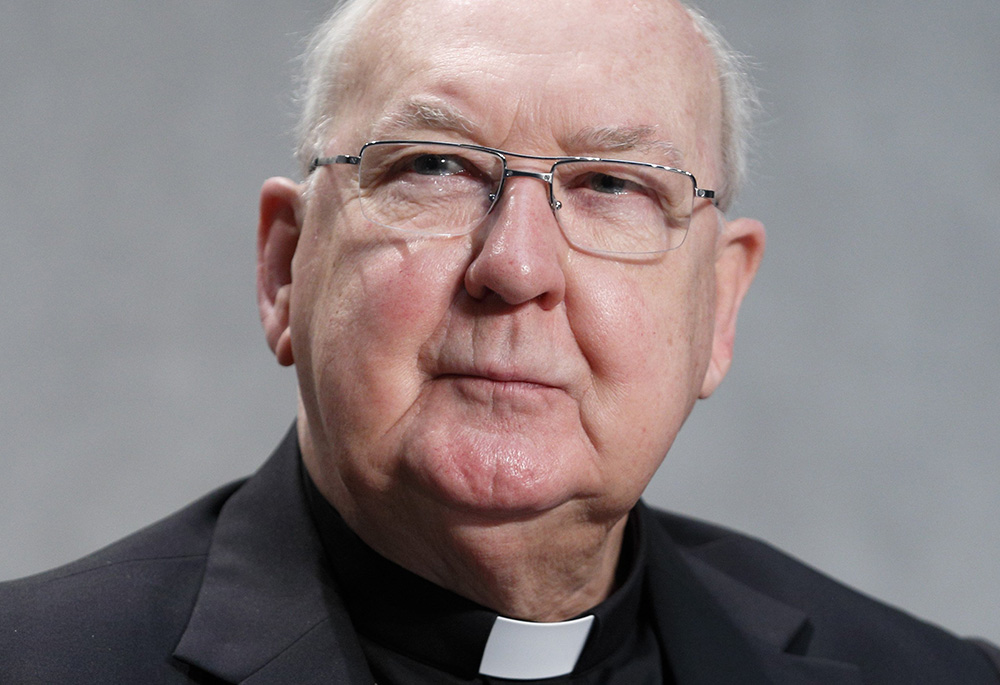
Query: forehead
(550,75)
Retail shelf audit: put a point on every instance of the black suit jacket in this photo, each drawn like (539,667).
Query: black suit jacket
(233,589)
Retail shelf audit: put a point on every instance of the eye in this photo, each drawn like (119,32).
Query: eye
(606,183)
(438,165)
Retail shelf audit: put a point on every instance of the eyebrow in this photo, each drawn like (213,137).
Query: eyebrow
(423,114)
(438,115)
(604,139)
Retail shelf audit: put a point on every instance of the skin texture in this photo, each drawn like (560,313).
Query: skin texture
(485,409)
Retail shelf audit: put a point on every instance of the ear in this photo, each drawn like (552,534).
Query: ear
(277,238)
(739,249)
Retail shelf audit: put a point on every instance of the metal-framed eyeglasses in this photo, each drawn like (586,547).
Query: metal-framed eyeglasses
(603,206)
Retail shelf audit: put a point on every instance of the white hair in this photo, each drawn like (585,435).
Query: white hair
(322,73)
(324,59)
(739,107)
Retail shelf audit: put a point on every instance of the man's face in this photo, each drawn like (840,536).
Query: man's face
(503,373)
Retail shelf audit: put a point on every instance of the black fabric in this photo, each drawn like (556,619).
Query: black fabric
(992,652)
(233,589)
(414,631)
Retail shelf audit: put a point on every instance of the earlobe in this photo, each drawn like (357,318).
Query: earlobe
(277,237)
(740,249)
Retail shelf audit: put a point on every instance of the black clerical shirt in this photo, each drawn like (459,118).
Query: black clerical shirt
(413,631)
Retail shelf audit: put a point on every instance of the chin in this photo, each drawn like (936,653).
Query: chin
(496,475)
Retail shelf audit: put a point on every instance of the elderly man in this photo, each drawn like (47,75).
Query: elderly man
(504,283)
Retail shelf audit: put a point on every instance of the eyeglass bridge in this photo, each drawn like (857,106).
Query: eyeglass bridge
(546,177)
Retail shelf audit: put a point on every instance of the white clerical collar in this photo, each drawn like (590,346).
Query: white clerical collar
(522,650)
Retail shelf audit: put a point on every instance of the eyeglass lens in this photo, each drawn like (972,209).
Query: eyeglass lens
(605,206)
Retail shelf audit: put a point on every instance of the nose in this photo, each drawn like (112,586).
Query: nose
(523,252)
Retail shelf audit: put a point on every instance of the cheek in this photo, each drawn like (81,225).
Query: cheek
(372,309)
(627,329)
(640,338)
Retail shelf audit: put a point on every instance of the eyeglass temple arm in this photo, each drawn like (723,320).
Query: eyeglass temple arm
(339,159)
(707,194)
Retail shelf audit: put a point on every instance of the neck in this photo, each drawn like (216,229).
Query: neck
(543,569)
(550,567)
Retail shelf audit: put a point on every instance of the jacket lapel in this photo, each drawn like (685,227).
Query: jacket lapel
(266,612)
(716,630)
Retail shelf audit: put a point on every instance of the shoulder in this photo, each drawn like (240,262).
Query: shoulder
(125,603)
(842,623)
(714,551)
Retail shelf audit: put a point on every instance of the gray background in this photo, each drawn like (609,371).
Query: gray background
(859,426)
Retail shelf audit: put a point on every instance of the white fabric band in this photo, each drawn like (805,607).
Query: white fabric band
(522,650)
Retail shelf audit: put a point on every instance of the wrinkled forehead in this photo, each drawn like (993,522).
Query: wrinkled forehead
(557,65)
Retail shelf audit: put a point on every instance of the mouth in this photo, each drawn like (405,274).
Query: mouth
(491,387)
(503,380)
